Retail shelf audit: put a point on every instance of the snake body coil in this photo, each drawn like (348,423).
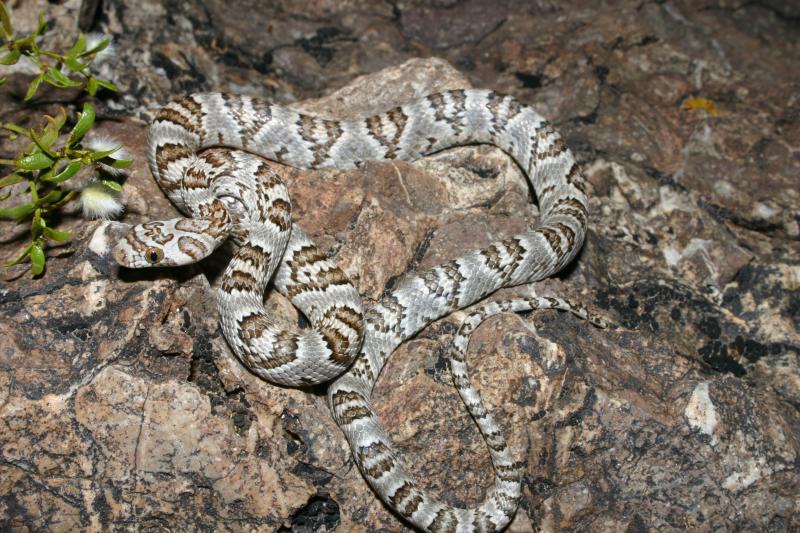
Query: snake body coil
(233,194)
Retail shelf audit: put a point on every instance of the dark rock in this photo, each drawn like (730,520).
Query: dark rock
(121,402)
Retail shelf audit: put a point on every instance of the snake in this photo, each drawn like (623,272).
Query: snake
(209,153)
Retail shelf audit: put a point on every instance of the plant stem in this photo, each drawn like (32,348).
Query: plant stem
(13,127)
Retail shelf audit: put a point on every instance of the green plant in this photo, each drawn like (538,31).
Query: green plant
(46,164)
(52,157)
(62,70)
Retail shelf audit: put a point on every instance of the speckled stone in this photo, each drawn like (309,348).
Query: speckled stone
(123,408)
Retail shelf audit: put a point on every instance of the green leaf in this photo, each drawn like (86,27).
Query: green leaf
(57,121)
(84,124)
(92,86)
(16,213)
(66,173)
(42,26)
(34,86)
(46,174)
(113,185)
(99,47)
(44,143)
(50,132)
(37,224)
(97,156)
(11,179)
(105,84)
(59,79)
(11,57)
(37,259)
(35,161)
(28,44)
(13,127)
(78,47)
(122,163)
(75,65)
(55,235)
(108,85)
(20,257)
(52,196)
(5,23)
(71,195)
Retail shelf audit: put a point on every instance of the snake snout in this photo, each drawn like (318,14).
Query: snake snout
(119,255)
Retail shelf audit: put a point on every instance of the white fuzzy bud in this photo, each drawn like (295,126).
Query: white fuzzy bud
(103,143)
(93,39)
(100,201)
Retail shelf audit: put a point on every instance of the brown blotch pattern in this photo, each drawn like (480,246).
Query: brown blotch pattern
(254,255)
(375,129)
(569,234)
(219,158)
(354,412)
(167,114)
(252,326)
(444,521)
(195,109)
(238,280)
(391,319)
(192,247)
(280,214)
(552,238)
(438,104)
(362,369)
(337,343)
(248,122)
(321,281)
(195,178)
(407,498)
(493,103)
(399,119)
(347,316)
(572,207)
(333,132)
(509,473)
(266,177)
(307,255)
(168,153)
(367,454)
(154,231)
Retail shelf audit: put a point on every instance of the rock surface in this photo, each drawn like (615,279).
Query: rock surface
(122,407)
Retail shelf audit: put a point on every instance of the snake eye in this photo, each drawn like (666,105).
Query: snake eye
(153,255)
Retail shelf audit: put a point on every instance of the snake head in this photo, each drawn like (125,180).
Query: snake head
(167,243)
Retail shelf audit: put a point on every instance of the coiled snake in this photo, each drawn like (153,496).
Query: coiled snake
(234,194)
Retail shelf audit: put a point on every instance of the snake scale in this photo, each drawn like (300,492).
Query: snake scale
(233,194)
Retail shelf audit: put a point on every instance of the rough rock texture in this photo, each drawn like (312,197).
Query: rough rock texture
(122,407)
